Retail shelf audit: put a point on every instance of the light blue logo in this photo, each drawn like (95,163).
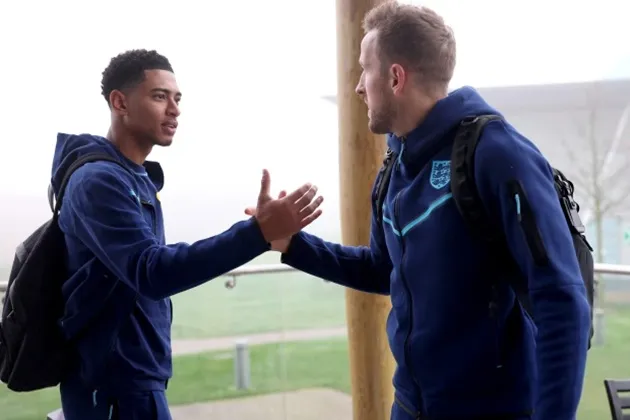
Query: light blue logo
(440,174)
(134,195)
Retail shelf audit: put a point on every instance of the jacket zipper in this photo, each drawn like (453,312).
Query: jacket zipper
(407,288)
(148,204)
(143,203)
(415,415)
(525,217)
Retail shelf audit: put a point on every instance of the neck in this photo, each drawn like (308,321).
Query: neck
(128,145)
(417,110)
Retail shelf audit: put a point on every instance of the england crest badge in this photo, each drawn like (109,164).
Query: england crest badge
(440,174)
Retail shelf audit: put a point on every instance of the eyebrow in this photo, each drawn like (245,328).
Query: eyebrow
(166,91)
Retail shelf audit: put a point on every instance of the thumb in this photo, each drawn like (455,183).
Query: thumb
(282,194)
(250,211)
(265,183)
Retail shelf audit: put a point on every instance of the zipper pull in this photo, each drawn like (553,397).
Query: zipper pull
(517,201)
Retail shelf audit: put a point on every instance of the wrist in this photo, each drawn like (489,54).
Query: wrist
(254,221)
(282,245)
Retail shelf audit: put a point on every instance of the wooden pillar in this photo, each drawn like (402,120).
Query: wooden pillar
(361,154)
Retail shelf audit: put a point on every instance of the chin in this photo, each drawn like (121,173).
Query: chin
(164,142)
(377,128)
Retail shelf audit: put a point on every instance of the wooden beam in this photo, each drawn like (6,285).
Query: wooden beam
(361,154)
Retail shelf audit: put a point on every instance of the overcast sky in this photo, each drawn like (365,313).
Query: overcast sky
(253,74)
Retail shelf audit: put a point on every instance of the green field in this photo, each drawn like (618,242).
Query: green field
(294,301)
(261,303)
(289,366)
(209,376)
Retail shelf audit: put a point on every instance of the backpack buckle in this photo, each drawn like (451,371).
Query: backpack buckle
(469,121)
(570,210)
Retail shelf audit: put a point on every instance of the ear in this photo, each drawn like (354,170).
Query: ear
(118,102)
(398,78)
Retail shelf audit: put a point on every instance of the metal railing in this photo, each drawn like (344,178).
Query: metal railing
(249,270)
(246,270)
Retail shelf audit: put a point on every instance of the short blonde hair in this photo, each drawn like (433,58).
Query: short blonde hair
(415,37)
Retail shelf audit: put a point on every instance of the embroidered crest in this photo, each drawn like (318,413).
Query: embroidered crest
(440,174)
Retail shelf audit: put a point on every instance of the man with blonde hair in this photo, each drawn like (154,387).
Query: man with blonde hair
(465,344)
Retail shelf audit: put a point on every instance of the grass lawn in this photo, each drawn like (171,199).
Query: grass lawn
(289,366)
(209,376)
(258,304)
(266,303)
(611,361)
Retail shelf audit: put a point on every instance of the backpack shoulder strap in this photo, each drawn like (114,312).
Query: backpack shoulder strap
(471,208)
(463,184)
(383,183)
(55,204)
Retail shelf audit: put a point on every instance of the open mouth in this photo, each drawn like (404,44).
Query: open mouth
(169,128)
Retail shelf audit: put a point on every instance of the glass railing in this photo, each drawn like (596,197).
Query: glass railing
(269,342)
(273,347)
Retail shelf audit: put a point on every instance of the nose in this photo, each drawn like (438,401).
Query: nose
(360,89)
(173,109)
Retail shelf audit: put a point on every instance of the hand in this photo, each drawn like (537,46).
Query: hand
(281,245)
(282,218)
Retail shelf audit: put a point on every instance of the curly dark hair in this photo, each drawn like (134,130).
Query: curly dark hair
(126,70)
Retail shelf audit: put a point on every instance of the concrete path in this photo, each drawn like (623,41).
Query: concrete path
(181,347)
(308,404)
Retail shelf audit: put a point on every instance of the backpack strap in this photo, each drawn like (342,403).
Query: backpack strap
(55,205)
(463,184)
(471,208)
(383,182)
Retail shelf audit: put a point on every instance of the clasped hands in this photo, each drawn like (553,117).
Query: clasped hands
(281,218)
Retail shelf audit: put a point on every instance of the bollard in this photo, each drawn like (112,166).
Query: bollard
(55,415)
(598,326)
(241,365)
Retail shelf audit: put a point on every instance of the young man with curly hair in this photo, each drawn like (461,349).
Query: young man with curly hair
(118,310)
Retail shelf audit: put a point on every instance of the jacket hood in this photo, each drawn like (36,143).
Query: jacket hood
(71,147)
(444,117)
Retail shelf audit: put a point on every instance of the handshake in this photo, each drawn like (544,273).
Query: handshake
(279,219)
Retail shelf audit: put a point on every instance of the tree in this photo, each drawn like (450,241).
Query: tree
(600,167)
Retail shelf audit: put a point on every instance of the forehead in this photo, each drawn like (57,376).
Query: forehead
(159,79)
(368,47)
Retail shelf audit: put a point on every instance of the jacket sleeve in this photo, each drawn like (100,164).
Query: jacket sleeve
(99,210)
(364,268)
(515,182)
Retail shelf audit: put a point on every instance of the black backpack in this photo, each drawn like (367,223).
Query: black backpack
(472,211)
(34,354)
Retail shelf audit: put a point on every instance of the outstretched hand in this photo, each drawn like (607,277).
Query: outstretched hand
(279,219)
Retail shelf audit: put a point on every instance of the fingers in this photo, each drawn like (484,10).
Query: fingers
(314,205)
(265,183)
(310,218)
(282,218)
(297,194)
(306,199)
